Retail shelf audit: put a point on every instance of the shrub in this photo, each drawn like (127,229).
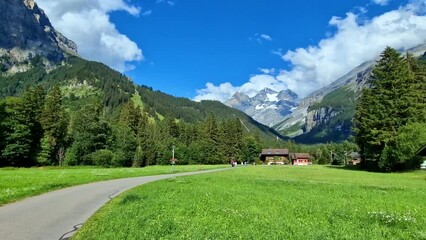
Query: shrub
(102,158)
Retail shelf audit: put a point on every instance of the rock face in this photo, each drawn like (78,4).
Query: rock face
(267,106)
(307,118)
(26,32)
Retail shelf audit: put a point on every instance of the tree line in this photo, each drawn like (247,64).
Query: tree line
(36,129)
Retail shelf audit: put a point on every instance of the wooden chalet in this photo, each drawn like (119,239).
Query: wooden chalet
(275,156)
(355,159)
(301,159)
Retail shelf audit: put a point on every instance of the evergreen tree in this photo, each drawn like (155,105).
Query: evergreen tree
(34,100)
(131,116)
(393,100)
(16,134)
(210,152)
(89,132)
(54,123)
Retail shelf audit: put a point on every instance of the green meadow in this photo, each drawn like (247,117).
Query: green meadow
(268,202)
(19,183)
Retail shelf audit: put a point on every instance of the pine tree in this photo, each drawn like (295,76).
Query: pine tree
(16,134)
(54,122)
(33,101)
(209,136)
(393,100)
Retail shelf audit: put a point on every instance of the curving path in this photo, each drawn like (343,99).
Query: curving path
(58,214)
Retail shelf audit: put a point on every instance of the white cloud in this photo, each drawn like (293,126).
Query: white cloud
(147,13)
(355,42)
(260,38)
(266,37)
(381,2)
(171,3)
(221,93)
(88,24)
(267,70)
(225,91)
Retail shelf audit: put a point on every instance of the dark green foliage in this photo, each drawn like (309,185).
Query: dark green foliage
(16,134)
(54,123)
(102,158)
(91,110)
(396,98)
(124,142)
(401,153)
(89,132)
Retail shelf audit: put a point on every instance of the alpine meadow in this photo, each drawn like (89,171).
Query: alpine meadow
(156,119)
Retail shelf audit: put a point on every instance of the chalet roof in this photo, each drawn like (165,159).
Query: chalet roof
(355,155)
(274,152)
(301,155)
(421,151)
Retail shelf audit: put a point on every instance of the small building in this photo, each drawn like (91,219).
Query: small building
(421,152)
(301,159)
(355,159)
(275,156)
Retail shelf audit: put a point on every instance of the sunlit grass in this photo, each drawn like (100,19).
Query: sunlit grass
(19,183)
(314,202)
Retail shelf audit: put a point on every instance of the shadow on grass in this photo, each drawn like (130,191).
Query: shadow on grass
(349,167)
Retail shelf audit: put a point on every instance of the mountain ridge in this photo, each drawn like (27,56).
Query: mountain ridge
(267,106)
(318,119)
(47,58)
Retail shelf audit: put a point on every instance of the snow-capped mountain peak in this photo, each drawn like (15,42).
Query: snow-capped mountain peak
(267,106)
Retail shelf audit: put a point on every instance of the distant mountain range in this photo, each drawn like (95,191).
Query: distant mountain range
(33,53)
(326,114)
(323,116)
(267,106)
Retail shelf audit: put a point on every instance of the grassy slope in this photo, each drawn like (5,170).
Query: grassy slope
(16,184)
(314,202)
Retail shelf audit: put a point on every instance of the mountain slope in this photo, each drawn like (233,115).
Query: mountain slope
(27,33)
(326,114)
(267,106)
(33,53)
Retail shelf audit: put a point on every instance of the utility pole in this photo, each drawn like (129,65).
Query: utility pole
(173,153)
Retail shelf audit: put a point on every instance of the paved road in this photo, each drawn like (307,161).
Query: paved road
(58,214)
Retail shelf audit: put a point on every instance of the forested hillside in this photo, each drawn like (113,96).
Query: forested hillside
(83,112)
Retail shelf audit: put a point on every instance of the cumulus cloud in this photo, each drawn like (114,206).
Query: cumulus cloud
(381,2)
(88,24)
(212,92)
(356,41)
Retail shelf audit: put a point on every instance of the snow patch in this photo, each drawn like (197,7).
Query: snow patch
(259,107)
(272,97)
(273,106)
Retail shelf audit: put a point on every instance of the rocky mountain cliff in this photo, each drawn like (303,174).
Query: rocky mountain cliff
(26,33)
(326,114)
(267,106)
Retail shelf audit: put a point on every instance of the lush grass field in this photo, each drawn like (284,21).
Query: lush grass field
(258,202)
(19,183)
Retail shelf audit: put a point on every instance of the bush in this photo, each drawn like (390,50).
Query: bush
(102,158)
(119,159)
(71,157)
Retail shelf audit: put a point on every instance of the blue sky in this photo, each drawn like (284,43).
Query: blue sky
(179,46)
